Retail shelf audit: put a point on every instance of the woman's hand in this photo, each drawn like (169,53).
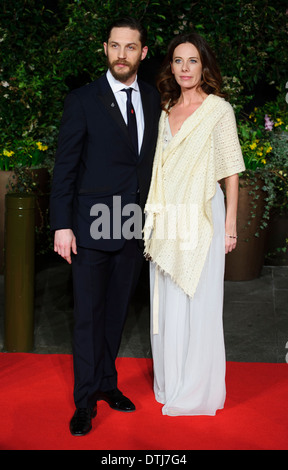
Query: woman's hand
(230,242)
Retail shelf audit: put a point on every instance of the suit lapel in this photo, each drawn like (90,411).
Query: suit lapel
(107,98)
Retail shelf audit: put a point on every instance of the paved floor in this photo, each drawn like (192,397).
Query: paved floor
(255,315)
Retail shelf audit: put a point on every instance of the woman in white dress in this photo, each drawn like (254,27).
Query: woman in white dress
(197,147)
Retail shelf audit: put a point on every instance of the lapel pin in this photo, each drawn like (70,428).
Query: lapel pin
(112,105)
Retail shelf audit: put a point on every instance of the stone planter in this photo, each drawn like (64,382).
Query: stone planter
(246,261)
(39,177)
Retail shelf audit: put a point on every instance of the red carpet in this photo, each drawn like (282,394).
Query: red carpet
(37,404)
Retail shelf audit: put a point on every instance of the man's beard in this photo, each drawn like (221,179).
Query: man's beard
(123,76)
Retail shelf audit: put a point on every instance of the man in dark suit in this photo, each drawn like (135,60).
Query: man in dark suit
(103,168)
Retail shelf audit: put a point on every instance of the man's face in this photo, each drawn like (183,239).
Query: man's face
(124,53)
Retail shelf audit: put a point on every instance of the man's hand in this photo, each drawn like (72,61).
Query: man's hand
(64,241)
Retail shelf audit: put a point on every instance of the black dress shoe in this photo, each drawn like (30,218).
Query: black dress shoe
(81,424)
(116,400)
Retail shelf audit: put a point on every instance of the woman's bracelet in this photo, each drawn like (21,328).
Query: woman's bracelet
(230,236)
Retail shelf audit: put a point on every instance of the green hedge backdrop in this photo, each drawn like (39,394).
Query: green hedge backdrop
(49,47)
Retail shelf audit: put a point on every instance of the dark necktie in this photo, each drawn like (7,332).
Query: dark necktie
(131,119)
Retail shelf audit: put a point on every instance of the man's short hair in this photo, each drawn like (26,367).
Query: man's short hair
(131,23)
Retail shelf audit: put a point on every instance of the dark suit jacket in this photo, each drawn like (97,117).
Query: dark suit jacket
(95,159)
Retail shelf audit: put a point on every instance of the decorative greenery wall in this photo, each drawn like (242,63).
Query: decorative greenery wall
(49,47)
(52,46)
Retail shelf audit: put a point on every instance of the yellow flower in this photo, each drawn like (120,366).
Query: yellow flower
(269,149)
(253,146)
(279,122)
(41,146)
(6,153)
(263,161)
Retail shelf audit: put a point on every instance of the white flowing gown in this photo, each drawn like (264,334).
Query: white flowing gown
(188,352)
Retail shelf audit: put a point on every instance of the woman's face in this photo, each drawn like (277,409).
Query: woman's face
(186,66)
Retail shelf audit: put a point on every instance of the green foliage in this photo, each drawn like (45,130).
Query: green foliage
(276,172)
(24,153)
(31,90)
(46,52)
(259,131)
(264,141)
(255,148)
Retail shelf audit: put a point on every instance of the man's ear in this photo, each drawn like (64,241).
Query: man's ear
(144,52)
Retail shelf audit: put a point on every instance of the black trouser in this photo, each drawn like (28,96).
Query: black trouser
(103,283)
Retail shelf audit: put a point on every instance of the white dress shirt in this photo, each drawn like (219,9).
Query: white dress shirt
(121,98)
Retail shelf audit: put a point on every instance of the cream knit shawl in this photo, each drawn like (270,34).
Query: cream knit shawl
(179,228)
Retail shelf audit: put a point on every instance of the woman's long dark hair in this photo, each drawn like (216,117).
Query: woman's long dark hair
(211,76)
